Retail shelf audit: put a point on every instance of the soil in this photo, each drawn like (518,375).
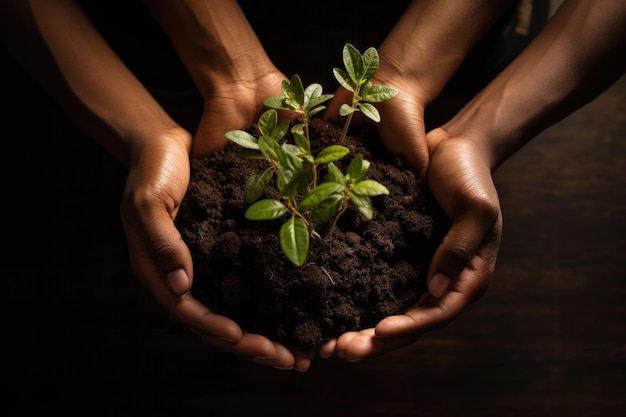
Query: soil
(364,271)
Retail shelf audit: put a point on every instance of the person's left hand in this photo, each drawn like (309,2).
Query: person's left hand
(460,178)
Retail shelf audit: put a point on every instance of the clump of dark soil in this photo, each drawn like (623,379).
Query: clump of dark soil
(364,271)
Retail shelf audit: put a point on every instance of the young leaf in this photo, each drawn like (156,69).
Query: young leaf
(353,62)
(266,209)
(378,93)
(327,209)
(357,168)
(301,141)
(345,110)
(269,148)
(313,90)
(317,100)
(294,182)
(297,90)
(292,149)
(243,138)
(313,97)
(343,79)
(334,174)
(256,184)
(267,122)
(314,111)
(364,204)
(370,62)
(318,194)
(331,153)
(369,188)
(294,240)
(280,130)
(277,102)
(370,111)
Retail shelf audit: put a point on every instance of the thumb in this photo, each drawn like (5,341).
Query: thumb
(472,242)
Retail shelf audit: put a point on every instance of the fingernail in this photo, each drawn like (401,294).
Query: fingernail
(439,284)
(178,281)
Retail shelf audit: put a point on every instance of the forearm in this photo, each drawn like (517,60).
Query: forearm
(214,40)
(433,37)
(57,44)
(577,56)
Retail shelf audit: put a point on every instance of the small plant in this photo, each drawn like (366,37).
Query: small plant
(307,200)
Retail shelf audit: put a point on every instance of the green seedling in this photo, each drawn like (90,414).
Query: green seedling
(307,200)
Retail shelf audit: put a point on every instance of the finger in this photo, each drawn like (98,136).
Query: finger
(473,241)
(192,313)
(434,313)
(366,344)
(326,350)
(431,312)
(251,346)
(343,341)
(303,359)
(184,308)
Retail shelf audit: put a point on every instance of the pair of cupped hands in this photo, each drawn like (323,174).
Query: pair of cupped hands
(457,171)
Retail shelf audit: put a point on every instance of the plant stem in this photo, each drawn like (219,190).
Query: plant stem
(344,132)
(344,207)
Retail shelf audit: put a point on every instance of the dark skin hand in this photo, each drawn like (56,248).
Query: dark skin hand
(462,266)
(576,57)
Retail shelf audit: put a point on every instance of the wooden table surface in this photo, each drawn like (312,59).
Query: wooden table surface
(547,339)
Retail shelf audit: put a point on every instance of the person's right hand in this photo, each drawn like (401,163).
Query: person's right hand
(459,176)
(236,104)
(157,182)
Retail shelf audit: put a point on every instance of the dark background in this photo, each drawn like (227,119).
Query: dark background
(81,336)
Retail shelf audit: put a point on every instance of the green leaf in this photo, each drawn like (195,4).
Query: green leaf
(269,147)
(294,240)
(353,62)
(277,102)
(292,149)
(243,138)
(316,101)
(280,130)
(294,183)
(256,184)
(358,167)
(331,153)
(343,79)
(287,160)
(327,209)
(370,62)
(313,97)
(334,174)
(364,204)
(318,194)
(266,209)
(285,86)
(267,122)
(314,111)
(370,188)
(378,93)
(311,92)
(297,90)
(345,110)
(301,141)
(370,111)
